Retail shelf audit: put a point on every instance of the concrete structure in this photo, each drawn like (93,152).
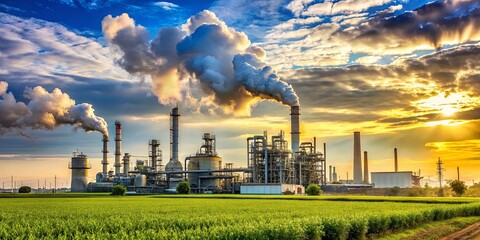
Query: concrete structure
(366,178)
(295,128)
(271,189)
(174,164)
(395,156)
(392,179)
(126,164)
(118,146)
(79,166)
(357,159)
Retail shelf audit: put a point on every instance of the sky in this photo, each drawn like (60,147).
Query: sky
(404,73)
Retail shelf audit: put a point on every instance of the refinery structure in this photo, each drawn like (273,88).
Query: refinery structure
(273,166)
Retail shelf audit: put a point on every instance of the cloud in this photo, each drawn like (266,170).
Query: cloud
(329,7)
(167,6)
(432,25)
(46,111)
(367,60)
(199,56)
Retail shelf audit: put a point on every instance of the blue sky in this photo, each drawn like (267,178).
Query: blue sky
(392,69)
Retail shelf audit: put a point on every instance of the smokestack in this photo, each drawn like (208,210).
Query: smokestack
(126,164)
(295,127)
(118,145)
(331,174)
(174,115)
(365,168)
(395,155)
(357,159)
(335,179)
(105,155)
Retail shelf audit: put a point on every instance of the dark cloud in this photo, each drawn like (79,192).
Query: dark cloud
(435,23)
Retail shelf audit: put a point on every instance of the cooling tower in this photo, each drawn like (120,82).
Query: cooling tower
(357,159)
(295,127)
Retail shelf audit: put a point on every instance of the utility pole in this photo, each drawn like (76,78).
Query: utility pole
(439,172)
(38,186)
(55,190)
(11,185)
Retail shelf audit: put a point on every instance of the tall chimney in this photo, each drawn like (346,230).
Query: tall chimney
(118,146)
(295,127)
(331,174)
(126,164)
(105,155)
(395,155)
(334,175)
(366,178)
(357,159)
(174,115)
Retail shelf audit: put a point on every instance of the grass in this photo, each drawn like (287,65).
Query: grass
(433,230)
(84,216)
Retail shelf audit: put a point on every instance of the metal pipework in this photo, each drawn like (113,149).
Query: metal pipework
(105,155)
(395,155)
(295,127)
(366,178)
(174,115)
(118,146)
(357,159)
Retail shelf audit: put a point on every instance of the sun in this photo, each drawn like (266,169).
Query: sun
(448,110)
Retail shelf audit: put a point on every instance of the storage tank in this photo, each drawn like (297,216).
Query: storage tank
(140,180)
(205,159)
(204,180)
(79,166)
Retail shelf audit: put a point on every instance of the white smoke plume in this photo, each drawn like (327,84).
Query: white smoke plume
(46,111)
(204,53)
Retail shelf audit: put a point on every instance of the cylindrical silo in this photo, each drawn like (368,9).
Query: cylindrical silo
(140,180)
(79,166)
(203,180)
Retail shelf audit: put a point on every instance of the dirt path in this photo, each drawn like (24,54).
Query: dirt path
(469,233)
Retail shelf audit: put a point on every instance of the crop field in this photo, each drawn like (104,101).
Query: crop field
(224,217)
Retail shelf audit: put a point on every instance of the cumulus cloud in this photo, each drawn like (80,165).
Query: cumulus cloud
(202,54)
(46,110)
(330,7)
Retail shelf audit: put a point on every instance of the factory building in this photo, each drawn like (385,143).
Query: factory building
(402,179)
(273,166)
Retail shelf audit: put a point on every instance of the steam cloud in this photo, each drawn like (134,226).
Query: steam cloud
(46,111)
(226,66)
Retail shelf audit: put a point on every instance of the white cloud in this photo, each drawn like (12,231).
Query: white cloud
(367,60)
(349,6)
(167,6)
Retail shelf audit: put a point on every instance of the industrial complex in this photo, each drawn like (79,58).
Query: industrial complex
(273,166)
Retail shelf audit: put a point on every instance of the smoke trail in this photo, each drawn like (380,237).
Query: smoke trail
(220,60)
(46,111)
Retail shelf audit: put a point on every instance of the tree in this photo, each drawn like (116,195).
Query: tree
(24,189)
(313,189)
(183,187)
(458,187)
(118,190)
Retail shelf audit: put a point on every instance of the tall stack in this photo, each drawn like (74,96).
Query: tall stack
(105,155)
(366,178)
(118,145)
(295,127)
(357,159)
(174,115)
(395,155)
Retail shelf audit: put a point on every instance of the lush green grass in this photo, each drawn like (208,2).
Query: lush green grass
(67,216)
(433,230)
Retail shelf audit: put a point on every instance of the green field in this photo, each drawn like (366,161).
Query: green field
(80,216)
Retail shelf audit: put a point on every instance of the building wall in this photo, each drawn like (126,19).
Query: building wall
(271,189)
(392,179)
